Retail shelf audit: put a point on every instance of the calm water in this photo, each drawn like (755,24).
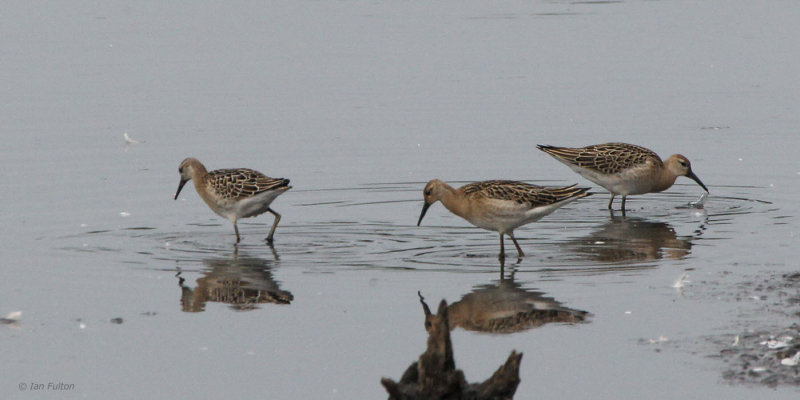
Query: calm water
(126,293)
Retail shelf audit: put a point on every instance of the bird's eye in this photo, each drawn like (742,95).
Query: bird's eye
(428,192)
(180,170)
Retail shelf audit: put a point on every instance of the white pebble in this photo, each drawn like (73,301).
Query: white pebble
(780,343)
(791,361)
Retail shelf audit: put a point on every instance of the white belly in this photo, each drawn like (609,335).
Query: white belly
(245,208)
(626,183)
(505,216)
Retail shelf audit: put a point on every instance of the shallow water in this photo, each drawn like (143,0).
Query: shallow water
(126,293)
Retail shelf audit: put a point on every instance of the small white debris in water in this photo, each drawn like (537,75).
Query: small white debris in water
(82,325)
(735,341)
(167,244)
(759,369)
(128,139)
(778,343)
(661,339)
(124,214)
(599,242)
(628,312)
(791,361)
(13,316)
(682,281)
(86,245)
(740,159)
(83,225)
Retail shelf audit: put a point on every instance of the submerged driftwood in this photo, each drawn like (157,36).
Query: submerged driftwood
(435,375)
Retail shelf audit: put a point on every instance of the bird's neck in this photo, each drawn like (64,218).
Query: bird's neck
(664,181)
(453,200)
(200,180)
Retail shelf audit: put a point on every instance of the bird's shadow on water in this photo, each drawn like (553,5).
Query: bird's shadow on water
(505,306)
(240,281)
(624,239)
(614,243)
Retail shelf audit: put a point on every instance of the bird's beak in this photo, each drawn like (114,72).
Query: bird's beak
(694,177)
(424,210)
(183,182)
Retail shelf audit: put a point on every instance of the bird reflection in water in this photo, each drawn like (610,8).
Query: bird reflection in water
(507,307)
(241,282)
(634,239)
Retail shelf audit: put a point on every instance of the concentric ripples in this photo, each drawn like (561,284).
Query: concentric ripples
(374,226)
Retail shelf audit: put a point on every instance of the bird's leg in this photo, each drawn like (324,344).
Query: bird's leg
(274,253)
(502,255)
(623,204)
(611,201)
(519,250)
(274,224)
(236,229)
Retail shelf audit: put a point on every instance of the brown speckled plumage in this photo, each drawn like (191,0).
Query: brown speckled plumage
(624,169)
(499,205)
(234,193)
(521,192)
(240,183)
(608,158)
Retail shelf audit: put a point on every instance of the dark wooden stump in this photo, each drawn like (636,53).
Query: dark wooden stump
(434,375)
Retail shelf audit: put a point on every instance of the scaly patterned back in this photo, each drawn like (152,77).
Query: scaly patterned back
(608,158)
(522,193)
(242,182)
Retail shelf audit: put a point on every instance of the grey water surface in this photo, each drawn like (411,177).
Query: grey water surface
(128,294)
